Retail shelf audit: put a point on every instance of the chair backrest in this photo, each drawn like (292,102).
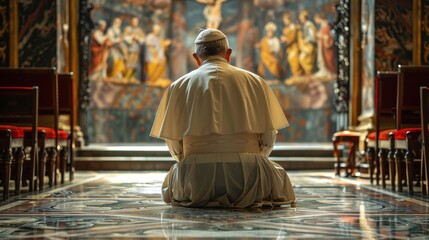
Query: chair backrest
(386,84)
(46,81)
(65,92)
(424,109)
(19,107)
(44,78)
(410,79)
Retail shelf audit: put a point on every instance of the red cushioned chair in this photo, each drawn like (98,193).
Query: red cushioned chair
(351,139)
(384,105)
(47,82)
(408,124)
(18,106)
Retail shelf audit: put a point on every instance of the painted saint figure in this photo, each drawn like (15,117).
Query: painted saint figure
(134,38)
(290,39)
(116,64)
(155,60)
(326,50)
(97,68)
(269,66)
(307,43)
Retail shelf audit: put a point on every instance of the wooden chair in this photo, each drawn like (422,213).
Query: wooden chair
(408,123)
(66,106)
(424,110)
(351,139)
(384,107)
(48,137)
(18,106)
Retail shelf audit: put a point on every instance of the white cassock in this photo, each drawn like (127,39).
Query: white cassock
(220,123)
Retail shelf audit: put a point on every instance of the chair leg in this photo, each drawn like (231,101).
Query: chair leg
(423,179)
(350,160)
(377,170)
(399,158)
(52,165)
(34,164)
(19,156)
(370,154)
(57,171)
(409,157)
(426,172)
(392,171)
(383,165)
(7,163)
(42,167)
(382,156)
(71,157)
(391,159)
(63,160)
(337,155)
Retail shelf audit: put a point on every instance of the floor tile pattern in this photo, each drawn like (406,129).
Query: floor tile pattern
(126,205)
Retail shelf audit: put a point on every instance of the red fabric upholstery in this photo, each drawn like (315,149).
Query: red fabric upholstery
(50,132)
(402,133)
(63,134)
(384,135)
(371,136)
(17,132)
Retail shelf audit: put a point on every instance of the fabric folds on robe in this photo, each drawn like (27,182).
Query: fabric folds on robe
(203,104)
(211,174)
(220,123)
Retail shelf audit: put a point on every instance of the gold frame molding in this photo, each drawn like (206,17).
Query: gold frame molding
(74,50)
(356,77)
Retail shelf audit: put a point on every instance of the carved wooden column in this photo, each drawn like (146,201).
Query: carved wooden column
(84,30)
(341,30)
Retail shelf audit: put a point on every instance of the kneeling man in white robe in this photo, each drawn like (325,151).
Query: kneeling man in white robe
(220,124)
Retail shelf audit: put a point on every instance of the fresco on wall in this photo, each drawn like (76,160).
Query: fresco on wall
(4,33)
(424,30)
(37,33)
(295,52)
(387,42)
(140,46)
(368,61)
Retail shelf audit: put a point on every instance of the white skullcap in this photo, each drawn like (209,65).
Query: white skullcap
(209,35)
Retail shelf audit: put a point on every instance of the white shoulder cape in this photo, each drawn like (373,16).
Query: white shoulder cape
(217,99)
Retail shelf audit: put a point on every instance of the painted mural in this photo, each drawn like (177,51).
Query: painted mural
(37,33)
(140,46)
(4,33)
(424,33)
(367,44)
(387,34)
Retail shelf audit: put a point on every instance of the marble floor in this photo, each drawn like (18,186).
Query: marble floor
(127,205)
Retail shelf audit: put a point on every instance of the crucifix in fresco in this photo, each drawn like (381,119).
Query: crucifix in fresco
(213,12)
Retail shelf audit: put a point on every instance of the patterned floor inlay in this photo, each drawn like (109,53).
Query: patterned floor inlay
(124,205)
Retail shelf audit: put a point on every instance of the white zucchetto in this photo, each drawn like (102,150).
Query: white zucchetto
(209,35)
